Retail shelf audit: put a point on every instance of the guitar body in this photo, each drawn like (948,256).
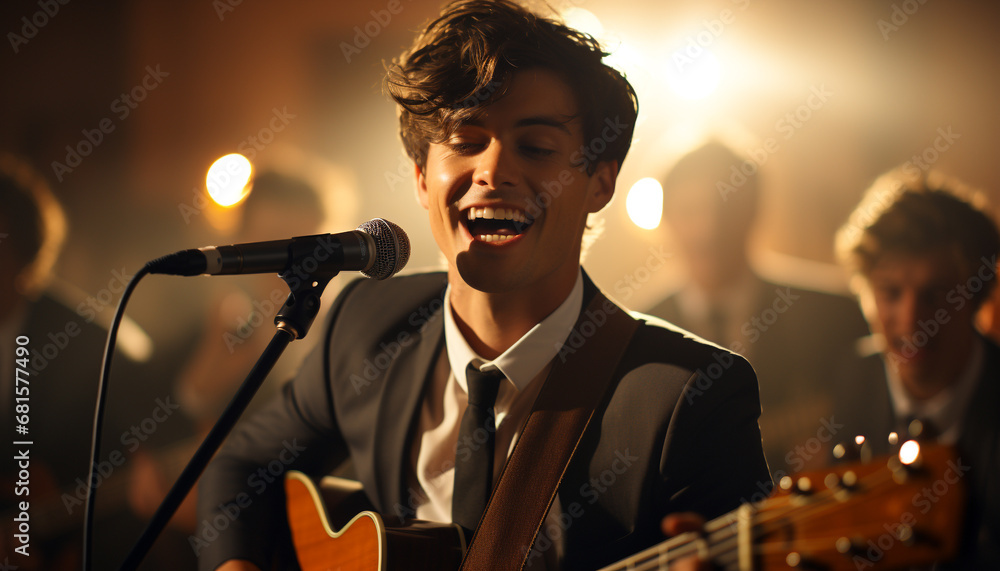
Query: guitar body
(901,511)
(365,542)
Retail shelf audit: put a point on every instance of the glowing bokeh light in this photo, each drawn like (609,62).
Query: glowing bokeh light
(228,179)
(644,203)
(583,20)
(909,452)
(694,76)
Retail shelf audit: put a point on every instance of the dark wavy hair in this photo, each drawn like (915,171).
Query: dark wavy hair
(908,211)
(464,61)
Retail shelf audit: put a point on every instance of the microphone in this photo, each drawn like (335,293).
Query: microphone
(378,249)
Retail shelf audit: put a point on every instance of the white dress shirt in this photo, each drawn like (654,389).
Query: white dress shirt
(945,409)
(525,365)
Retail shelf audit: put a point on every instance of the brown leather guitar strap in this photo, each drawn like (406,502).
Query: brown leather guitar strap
(577,381)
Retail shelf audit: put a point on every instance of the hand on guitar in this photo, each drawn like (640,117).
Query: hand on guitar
(237,565)
(678,523)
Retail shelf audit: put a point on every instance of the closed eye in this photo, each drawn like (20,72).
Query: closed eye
(537,151)
(464,148)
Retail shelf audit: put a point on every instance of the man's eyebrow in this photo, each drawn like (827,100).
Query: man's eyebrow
(546,120)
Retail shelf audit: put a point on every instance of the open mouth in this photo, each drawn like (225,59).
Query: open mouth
(496,225)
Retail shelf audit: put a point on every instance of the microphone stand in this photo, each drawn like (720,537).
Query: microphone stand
(293,321)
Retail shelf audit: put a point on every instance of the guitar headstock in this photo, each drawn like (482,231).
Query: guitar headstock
(892,512)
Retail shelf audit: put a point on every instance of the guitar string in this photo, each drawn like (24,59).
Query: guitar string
(721,540)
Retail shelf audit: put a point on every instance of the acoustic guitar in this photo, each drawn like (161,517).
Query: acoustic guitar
(892,513)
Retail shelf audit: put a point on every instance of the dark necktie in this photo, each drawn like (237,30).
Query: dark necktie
(474,452)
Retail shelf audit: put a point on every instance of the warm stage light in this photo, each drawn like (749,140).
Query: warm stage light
(644,203)
(909,452)
(694,73)
(228,179)
(583,20)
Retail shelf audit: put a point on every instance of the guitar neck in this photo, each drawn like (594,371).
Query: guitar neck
(726,541)
(863,516)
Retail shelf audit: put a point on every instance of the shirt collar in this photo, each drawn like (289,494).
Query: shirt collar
(523,360)
(946,408)
(736,301)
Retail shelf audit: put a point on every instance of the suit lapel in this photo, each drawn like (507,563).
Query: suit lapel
(399,405)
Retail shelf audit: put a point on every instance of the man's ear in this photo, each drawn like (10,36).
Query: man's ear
(421,185)
(602,185)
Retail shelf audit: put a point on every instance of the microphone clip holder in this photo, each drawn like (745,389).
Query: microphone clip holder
(302,305)
(292,321)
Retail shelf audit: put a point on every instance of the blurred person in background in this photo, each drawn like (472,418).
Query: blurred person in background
(65,348)
(795,339)
(924,253)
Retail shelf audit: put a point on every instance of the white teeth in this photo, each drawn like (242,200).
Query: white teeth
(490,213)
(494,237)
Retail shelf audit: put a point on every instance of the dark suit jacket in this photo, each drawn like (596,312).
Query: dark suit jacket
(66,353)
(798,357)
(677,430)
(865,407)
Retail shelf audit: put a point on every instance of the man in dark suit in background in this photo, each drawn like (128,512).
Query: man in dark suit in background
(517,131)
(796,339)
(925,259)
(50,359)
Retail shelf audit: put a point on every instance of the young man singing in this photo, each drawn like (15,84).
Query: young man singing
(517,130)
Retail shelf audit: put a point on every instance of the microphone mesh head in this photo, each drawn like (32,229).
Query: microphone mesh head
(392,248)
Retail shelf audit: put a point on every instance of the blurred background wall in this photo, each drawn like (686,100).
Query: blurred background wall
(123,105)
(297,85)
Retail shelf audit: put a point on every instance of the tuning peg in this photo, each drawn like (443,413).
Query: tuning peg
(908,461)
(848,481)
(796,561)
(921,430)
(850,547)
(801,486)
(857,450)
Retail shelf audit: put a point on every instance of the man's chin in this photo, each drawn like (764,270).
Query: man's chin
(484,275)
(920,382)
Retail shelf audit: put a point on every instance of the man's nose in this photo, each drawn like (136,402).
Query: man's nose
(496,166)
